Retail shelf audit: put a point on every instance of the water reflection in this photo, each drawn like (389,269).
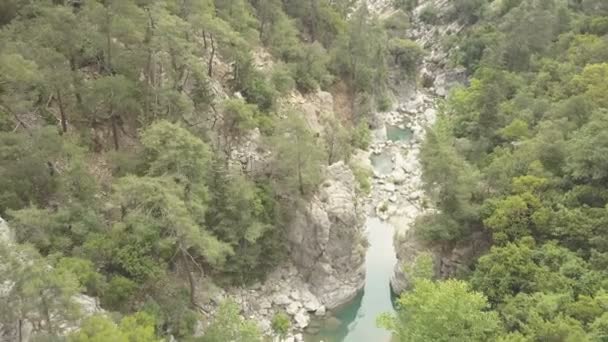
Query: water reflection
(356,322)
(396,133)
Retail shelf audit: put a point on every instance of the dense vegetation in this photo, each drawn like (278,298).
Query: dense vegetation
(118,171)
(520,157)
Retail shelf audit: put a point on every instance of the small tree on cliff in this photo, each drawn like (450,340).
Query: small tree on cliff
(298,158)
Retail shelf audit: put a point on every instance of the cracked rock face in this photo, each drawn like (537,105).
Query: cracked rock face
(326,239)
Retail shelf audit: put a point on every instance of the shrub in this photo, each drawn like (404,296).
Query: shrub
(281,324)
(429,14)
(118,292)
(399,21)
(361,136)
(599,26)
(406,5)
(262,93)
(362,176)
(282,80)
(383,103)
(407,53)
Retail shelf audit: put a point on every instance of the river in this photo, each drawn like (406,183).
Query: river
(356,322)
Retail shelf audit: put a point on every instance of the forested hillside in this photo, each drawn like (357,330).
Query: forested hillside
(518,158)
(121,123)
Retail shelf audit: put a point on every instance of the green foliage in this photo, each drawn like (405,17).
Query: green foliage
(517,272)
(361,136)
(282,80)
(242,214)
(407,54)
(406,5)
(423,268)
(297,157)
(135,328)
(468,11)
(281,324)
(88,277)
(228,325)
(587,150)
(363,177)
(429,14)
(360,54)
(117,147)
(29,168)
(337,140)
(444,311)
(37,289)
(310,71)
(118,293)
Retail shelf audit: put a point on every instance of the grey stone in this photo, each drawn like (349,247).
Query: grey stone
(302,319)
(326,239)
(293,308)
(281,299)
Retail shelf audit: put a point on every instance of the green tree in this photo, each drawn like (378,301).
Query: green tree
(337,140)
(443,311)
(228,325)
(407,54)
(36,291)
(587,150)
(506,271)
(298,159)
(168,204)
(98,328)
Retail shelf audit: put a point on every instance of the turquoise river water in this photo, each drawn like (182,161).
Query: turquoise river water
(356,321)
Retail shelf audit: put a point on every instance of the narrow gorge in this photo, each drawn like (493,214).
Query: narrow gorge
(303,171)
(348,252)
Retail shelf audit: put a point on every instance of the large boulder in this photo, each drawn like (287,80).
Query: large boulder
(326,239)
(447,80)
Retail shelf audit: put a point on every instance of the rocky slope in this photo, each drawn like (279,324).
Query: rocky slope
(326,268)
(326,239)
(398,194)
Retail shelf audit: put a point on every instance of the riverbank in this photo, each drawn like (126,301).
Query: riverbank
(356,321)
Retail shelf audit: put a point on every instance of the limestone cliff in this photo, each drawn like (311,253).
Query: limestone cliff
(326,240)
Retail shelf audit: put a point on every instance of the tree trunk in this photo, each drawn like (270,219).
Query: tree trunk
(20,332)
(47,315)
(108,62)
(211,57)
(64,119)
(191,280)
(313,20)
(149,65)
(114,120)
(299,166)
(77,85)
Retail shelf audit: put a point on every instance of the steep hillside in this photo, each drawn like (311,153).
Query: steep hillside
(513,170)
(166,156)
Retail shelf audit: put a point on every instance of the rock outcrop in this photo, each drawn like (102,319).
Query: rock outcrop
(326,268)
(448,260)
(326,239)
